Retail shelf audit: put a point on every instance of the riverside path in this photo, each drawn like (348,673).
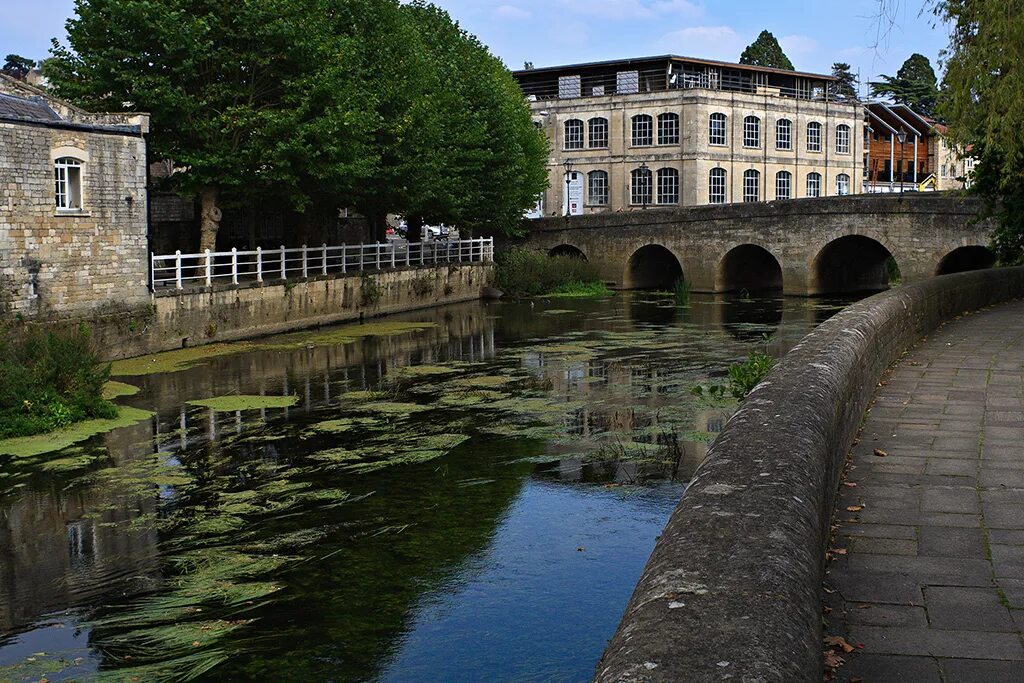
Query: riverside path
(927,577)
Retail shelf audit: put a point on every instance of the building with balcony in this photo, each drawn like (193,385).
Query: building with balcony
(668,131)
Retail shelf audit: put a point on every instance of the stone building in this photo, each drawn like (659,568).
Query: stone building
(73,207)
(670,130)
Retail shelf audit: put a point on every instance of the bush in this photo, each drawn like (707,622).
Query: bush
(743,377)
(526,272)
(50,380)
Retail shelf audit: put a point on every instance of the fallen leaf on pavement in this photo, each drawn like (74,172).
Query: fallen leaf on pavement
(840,642)
(880,453)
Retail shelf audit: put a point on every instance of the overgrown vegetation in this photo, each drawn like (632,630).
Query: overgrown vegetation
(524,272)
(681,292)
(50,380)
(743,377)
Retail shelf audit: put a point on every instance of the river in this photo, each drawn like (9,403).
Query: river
(465,493)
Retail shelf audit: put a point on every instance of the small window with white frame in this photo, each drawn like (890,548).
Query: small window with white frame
(668,186)
(751,186)
(668,129)
(573,134)
(751,131)
(597,188)
(716,129)
(783,134)
(813,184)
(842,184)
(783,185)
(67,180)
(716,186)
(643,130)
(598,128)
(640,187)
(842,139)
(813,136)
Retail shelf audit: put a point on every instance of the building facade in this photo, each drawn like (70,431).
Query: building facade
(73,206)
(669,131)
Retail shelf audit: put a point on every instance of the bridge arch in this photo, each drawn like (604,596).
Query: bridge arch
(652,266)
(852,263)
(569,250)
(750,267)
(961,259)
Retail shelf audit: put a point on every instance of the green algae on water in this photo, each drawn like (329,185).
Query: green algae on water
(343,335)
(231,403)
(114,389)
(175,361)
(28,446)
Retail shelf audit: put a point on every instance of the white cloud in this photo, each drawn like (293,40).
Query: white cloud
(709,42)
(631,9)
(511,12)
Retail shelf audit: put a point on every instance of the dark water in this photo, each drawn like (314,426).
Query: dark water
(470,500)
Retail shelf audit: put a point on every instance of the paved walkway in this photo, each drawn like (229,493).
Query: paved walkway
(932,582)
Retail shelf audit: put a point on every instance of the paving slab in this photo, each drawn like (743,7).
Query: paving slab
(932,584)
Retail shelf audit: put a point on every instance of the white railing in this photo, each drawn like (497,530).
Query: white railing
(179,270)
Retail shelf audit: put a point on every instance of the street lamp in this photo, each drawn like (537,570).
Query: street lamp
(644,171)
(568,179)
(902,137)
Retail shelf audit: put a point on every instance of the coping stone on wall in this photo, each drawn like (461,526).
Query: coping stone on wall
(732,590)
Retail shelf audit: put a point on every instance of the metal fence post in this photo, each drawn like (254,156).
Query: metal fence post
(209,268)
(378,255)
(234,265)
(323,259)
(152,271)
(344,259)
(305,262)
(392,245)
(284,264)
(423,253)
(177,268)
(408,253)
(259,264)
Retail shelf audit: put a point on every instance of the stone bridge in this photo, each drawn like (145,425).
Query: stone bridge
(802,247)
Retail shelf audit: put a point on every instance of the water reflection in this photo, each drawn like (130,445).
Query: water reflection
(509,463)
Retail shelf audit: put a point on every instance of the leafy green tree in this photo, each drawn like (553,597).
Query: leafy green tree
(766,51)
(17,66)
(983,101)
(846,87)
(213,76)
(914,85)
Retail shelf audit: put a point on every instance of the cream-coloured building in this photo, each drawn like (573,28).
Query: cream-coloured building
(665,131)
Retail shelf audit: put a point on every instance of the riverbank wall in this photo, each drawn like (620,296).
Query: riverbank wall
(221,313)
(732,590)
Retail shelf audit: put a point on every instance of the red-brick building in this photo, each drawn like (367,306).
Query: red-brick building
(897,148)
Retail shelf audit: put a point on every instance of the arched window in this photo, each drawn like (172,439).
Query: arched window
(67,177)
(842,184)
(751,186)
(668,186)
(783,185)
(598,133)
(643,130)
(783,134)
(716,186)
(716,129)
(813,136)
(597,188)
(573,134)
(668,129)
(813,184)
(640,187)
(842,139)
(751,132)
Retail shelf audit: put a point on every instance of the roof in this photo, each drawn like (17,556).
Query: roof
(26,109)
(674,58)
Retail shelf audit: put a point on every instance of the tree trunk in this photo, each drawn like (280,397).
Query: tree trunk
(210,221)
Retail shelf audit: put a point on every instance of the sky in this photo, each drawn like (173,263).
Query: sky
(551,32)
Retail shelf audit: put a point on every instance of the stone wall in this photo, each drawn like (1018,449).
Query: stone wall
(225,313)
(82,261)
(917,230)
(732,590)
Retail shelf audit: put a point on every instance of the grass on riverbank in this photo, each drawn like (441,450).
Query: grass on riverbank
(525,272)
(50,380)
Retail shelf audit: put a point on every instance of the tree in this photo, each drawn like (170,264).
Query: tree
(17,66)
(914,85)
(766,51)
(983,101)
(846,86)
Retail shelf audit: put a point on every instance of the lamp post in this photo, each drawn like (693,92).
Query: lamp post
(567,164)
(902,137)
(644,171)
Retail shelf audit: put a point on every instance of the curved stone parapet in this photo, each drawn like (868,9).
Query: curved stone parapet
(732,590)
